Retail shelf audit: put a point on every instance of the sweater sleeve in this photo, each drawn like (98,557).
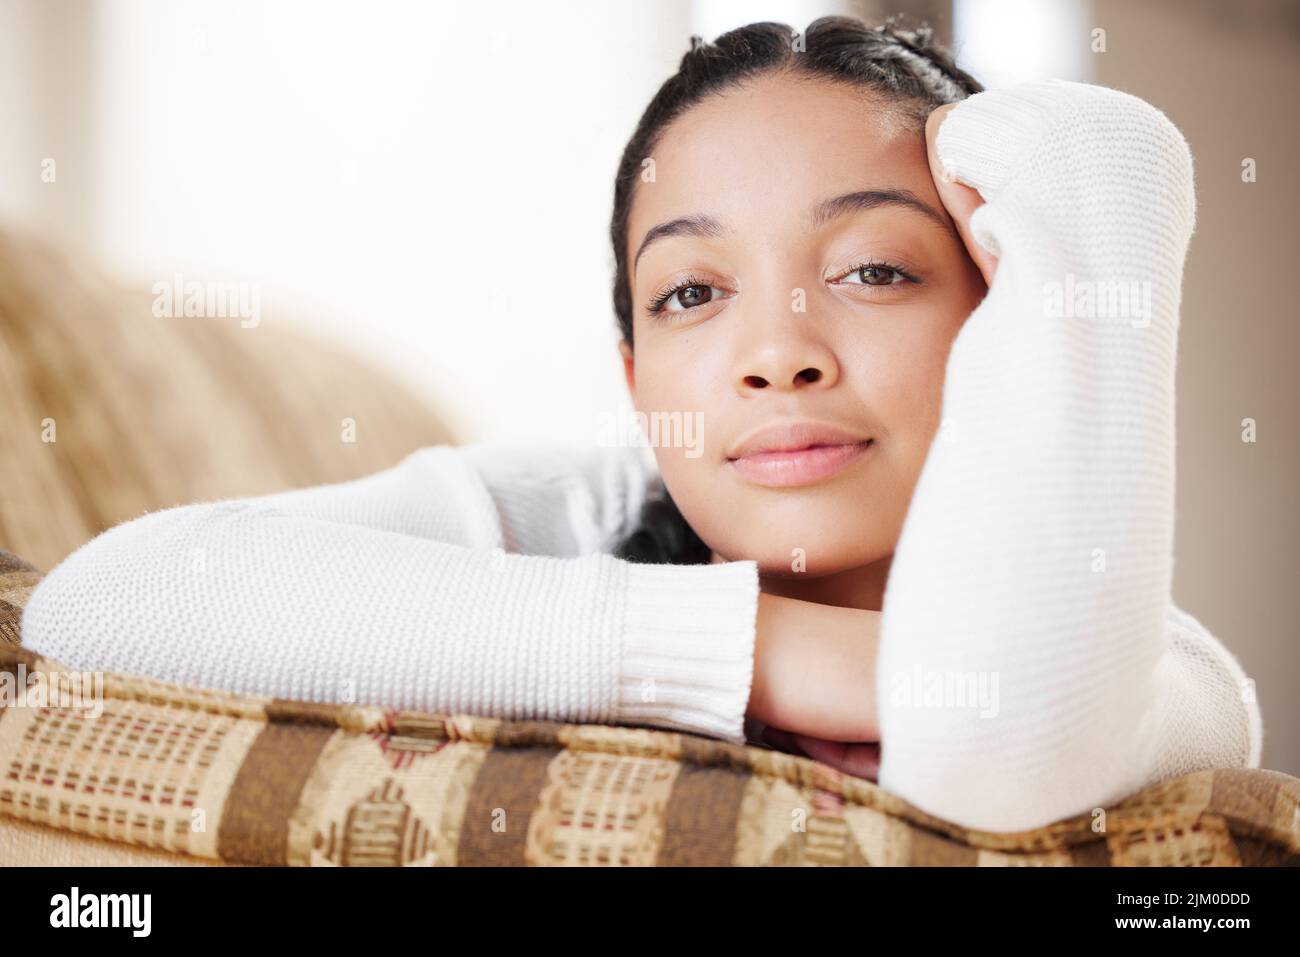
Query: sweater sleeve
(463,579)
(1032,665)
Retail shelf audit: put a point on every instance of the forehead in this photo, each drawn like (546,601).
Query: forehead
(766,151)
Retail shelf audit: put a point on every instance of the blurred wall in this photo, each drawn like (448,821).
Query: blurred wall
(429,183)
(48,70)
(1229,75)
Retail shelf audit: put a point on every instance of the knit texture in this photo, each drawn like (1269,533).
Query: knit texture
(397,589)
(1035,558)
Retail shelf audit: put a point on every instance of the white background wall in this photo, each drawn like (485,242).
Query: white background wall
(430,183)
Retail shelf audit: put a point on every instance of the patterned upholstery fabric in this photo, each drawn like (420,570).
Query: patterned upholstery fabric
(154,773)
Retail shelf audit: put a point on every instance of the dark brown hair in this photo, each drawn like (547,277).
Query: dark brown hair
(905,65)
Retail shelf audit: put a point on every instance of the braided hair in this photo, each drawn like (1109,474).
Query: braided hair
(904,64)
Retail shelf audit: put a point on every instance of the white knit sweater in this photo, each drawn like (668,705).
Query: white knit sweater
(1035,562)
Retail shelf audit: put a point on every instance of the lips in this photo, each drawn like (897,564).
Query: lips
(797,453)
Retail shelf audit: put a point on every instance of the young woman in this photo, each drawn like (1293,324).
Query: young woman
(930,531)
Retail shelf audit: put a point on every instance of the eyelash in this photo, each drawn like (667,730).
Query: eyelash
(899,268)
(656,304)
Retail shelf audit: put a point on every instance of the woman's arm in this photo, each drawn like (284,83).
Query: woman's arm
(462,579)
(525,498)
(1028,670)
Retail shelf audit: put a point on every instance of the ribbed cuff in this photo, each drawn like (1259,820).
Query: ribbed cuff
(688,647)
(1254,719)
(986,135)
(1228,662)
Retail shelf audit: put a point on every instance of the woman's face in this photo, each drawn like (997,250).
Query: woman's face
(791,189)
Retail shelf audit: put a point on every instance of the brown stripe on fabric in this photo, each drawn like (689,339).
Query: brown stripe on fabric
(701,817)
(1257,853)
(494,829)
(528,734)
(933,850)
(712,753)
(288,711)
(1090,854)
(265,793)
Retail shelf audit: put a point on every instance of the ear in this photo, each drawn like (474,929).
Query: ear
(629,368)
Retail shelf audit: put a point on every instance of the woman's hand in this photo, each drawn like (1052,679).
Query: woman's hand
(959,199)
(815,669)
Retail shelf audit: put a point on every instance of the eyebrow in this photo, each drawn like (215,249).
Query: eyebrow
(822,213)
(828,209)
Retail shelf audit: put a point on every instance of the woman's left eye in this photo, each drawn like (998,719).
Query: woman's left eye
(875,274)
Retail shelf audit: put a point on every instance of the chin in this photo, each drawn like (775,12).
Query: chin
(788,560)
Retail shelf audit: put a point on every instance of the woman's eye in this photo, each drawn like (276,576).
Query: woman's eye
(874,276)
(688,293)
(688,297)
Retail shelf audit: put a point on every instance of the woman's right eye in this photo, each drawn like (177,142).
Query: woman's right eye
(688,297)
(684,296)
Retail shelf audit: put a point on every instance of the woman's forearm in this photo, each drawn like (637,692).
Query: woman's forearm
(814,669)
(1025,652)
(395,590)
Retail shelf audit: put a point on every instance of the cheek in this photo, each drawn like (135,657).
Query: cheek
(900,372)
(678,373)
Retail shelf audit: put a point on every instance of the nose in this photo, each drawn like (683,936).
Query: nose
(783,352)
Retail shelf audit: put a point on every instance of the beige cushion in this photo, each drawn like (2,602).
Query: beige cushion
(149,412)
